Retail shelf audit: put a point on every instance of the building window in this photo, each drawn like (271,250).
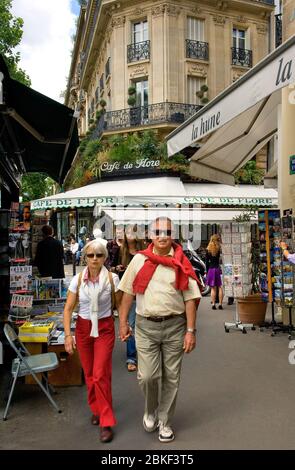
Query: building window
(241,55)
(140,32)
(195,29)
(142,93)
(239,38)
(139,49)
(193,86)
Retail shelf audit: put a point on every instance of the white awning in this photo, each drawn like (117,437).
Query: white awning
(151,192)
(238,122)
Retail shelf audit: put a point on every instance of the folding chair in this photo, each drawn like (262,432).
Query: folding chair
(27,364)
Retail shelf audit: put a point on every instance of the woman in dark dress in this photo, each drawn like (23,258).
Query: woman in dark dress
(213,270)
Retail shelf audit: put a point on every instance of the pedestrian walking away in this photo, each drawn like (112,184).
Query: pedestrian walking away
(94,293)
(213,271)
(167,293)
(50,255)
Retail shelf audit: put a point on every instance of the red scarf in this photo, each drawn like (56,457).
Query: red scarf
(179,262)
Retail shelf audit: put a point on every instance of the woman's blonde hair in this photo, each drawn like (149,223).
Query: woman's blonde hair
(97,246)
(124,255)
(214,245)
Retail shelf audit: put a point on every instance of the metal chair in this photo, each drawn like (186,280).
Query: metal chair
(27,364)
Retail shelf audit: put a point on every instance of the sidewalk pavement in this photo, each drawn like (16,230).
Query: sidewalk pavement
(236,392)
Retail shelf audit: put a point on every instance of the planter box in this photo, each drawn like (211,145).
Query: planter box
(252,309)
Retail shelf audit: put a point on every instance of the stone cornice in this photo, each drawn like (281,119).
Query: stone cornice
(118,22)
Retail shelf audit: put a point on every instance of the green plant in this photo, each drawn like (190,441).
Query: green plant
(131,90)
(131,100)
(102,103)
(91,121)
(249,174)
(201,94)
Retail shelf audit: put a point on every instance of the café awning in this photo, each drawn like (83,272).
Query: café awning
(238,122)
(158,190)
(37,134)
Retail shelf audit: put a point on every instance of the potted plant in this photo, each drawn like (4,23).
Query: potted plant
(134,110)
(202,94)
(251,308)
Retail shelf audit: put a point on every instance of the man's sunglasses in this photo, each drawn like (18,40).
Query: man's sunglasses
(97,255)
(166,233)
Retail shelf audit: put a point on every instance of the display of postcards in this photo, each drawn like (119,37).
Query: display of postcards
(227,269)
(246,268)
(264,296)
(237,259)
(261,226)
(287,267)
(48,289)
(227,259)
(226,249)
(246,248)
(244,228)
(237,269)
(288,287)
(226,238)
(262,236)
(245,237)
(263,282)
(236,249)
(19,277)
(246,258)
(228,291)
(226,227)
(237,280)
(263,256)
(261,215)
(236,238)
(227,281)
(234,227)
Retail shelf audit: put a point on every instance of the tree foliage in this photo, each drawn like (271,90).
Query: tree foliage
(36,186)
(11,31)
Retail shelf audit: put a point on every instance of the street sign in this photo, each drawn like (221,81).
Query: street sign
(292,165)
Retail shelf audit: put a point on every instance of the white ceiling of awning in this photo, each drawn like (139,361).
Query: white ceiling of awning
(158,191)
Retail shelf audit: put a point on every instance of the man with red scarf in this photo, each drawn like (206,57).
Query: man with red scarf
(167,295)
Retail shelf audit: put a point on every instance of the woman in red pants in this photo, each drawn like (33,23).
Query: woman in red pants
(92,291)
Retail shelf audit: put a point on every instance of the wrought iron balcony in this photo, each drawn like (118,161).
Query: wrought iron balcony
(241,57)
(136,116)
(278,29)
(197,49)
(138,51)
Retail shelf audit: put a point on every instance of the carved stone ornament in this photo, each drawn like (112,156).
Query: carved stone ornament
(138,71)
(222,5)
(118,22)
(241,19)
(261,28)
(197,70)
(137,12)
(159,10)
(219,20)
(196,11)
(172,10)
(237,74)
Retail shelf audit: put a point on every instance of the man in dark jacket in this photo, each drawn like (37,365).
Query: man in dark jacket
(49,255)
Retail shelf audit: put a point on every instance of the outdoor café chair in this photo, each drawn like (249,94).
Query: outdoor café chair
(27,364)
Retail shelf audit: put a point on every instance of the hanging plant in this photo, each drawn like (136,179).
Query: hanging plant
(204,88)
(204,100)
(103,103)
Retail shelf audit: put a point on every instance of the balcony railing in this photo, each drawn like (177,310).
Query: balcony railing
(138,51)
(241,57)
(278,29)
(197,49)
(136,116)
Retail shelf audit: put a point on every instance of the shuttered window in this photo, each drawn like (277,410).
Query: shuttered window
(193,85)
(195,29)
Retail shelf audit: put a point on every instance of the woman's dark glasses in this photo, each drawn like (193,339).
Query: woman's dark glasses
(97,255)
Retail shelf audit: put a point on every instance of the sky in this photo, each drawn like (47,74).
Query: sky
(46,44)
